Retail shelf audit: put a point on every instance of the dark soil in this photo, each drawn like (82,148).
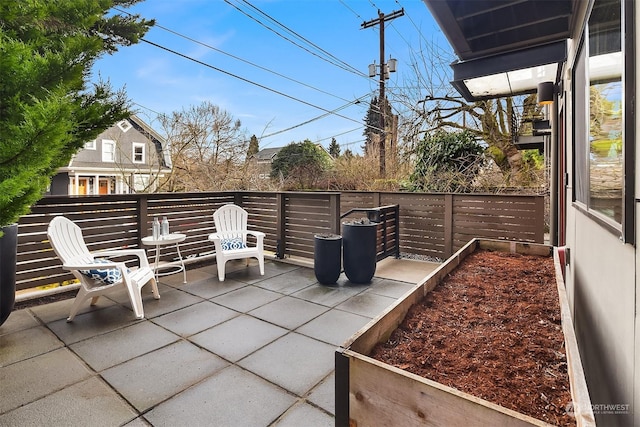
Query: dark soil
(491,329)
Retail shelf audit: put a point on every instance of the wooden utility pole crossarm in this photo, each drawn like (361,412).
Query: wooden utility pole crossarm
(380,20)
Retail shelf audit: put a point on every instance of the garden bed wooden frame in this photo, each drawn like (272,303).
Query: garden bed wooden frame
(370,392)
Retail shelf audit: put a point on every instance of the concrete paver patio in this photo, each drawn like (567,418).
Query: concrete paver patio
(250,351)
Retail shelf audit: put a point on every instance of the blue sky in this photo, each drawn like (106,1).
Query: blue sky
(158,81)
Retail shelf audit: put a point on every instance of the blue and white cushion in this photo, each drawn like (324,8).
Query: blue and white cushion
(229,244)
(108,276)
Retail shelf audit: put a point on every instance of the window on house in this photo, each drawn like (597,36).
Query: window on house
(606,170)
(599,90)
(91,145)
(138,152)
(108,150)
(140,182)
(124,125)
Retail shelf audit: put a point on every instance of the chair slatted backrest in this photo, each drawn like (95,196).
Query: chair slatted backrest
(231,221)
(67,240)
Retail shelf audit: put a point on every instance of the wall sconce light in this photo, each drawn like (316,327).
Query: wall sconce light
(546,91)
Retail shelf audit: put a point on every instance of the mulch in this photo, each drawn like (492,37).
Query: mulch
(492,328)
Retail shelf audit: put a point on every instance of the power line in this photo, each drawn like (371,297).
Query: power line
(346,67)
(244,79)
(315,118)
(330,55)
(240,59)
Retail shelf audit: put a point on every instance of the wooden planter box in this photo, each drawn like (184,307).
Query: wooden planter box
(373,393)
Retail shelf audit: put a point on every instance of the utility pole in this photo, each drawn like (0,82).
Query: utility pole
(384,74)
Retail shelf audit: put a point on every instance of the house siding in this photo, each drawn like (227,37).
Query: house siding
(601,279)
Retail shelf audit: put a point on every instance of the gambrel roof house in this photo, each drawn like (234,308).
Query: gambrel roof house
(581,57)
(128,157)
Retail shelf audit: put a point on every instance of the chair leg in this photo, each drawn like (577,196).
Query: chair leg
(221,263)
(94,300)
(135,296)
(154,288)
(261,263)
(81,297)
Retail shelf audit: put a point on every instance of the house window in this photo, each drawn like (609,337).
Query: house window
(601,143)
(108,151)
(138,152)
(124,125)
(91,145)
(140,182)
(606,170)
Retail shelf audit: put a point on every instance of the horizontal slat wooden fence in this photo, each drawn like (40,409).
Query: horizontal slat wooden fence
(438,224)
(429,224)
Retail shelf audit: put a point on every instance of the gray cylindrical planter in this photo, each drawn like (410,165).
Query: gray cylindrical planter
(359,253)
(8,256)
(327,258)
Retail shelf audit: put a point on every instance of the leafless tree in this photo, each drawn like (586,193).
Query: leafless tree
(426,102)
(208,149)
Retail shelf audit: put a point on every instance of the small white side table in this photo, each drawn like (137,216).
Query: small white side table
(169,239)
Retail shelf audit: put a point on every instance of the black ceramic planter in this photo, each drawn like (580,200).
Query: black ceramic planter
(359,251)
(327,257)
(8,255)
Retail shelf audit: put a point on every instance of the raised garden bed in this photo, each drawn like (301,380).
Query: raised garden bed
(485,348)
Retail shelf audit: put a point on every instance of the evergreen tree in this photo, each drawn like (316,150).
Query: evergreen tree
(253,146)
(334,148)
(371,126)
(302,164)
(48,108)
(447,161)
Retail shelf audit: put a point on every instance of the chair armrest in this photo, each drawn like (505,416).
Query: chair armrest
(256,233)
(92,265)
(140,253)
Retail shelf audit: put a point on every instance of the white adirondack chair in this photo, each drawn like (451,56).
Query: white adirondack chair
(68,243)
(230,238)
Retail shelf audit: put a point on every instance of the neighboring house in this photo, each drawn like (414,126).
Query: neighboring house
(586,54)
(264,158)
(128,157)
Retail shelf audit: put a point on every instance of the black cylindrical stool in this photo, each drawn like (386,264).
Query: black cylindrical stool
(327,257)
(359,254)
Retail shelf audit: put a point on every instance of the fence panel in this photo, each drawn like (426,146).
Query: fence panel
(508,217)
(106,222)
(306,214)
(263,216)
(188,213)
(422,222)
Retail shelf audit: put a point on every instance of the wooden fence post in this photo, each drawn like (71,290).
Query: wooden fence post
(397,215)
(334,210)
(448,225)
(539,215)
(238,198)
(281,237)
(376,199)
(142,214)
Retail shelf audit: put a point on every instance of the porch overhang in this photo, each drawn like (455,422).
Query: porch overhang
(509,74)
(505,47)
